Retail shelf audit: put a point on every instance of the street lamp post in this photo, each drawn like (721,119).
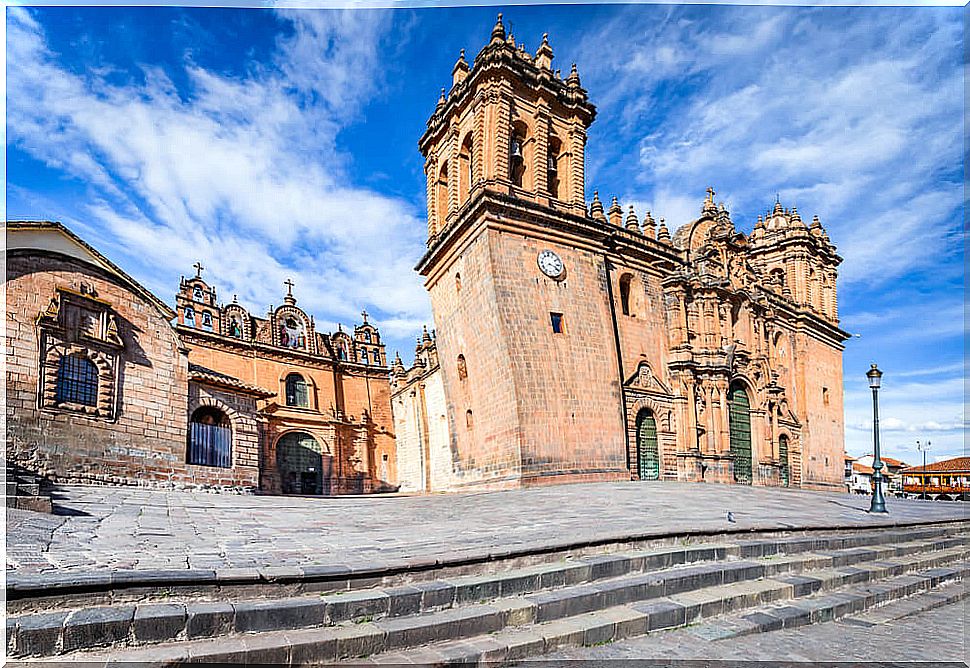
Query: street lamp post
(923,449)
(878,504)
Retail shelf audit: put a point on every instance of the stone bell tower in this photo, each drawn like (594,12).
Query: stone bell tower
(524,333)
(510,125)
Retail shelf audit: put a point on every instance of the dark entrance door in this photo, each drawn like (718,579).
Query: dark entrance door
(739,420)
(783,460)
(303,468)
(648,454)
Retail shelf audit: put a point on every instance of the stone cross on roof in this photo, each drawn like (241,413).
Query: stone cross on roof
(289,286)
(364,315)
(198,269)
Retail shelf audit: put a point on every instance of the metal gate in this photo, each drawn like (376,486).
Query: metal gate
(783,460)
(303,468)
(210,445)
(739,416)
(647,452)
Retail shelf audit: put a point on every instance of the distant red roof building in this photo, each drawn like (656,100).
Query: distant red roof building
(955,465)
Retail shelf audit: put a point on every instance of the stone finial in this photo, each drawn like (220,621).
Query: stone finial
(632,223)
(559,74)
(663,234)
(460,70)
(615,213)
(425,337)
(596,207)
(760,224)
(572,81)
(441,100)
(498,32)
(816,223)
(649,226)
(794,215)
(544,53)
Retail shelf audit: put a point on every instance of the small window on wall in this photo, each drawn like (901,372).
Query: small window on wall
(296,391)
(207,321)
(363,356)
(825,396)
(557,323)
(462,368)
(457,283)
(197,294)
(625,282)
(469,423)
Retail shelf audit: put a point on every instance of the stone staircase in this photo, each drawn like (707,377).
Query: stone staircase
(25,490)
(735,586)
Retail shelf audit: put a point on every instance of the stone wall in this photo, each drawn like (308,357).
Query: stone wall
(144,442)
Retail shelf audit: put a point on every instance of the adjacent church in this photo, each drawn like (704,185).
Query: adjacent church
(582,342)
(108,384)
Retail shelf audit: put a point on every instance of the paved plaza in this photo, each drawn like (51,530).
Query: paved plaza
(99,528)
(933,636)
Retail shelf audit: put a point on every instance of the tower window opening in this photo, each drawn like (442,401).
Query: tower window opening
(552,166)
(518,158)
(557,323)
(625,282)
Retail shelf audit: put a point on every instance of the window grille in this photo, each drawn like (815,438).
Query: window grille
(77,381)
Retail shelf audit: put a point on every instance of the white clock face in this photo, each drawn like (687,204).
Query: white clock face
(551,264)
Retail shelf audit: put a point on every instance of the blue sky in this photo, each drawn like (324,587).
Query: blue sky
(281,143)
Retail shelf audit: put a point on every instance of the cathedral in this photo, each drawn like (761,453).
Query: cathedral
(578,342)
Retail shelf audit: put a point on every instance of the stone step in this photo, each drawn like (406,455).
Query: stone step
(12,488)
(514,644)
(37,504)
(58,589)
(557,590)
(69,632)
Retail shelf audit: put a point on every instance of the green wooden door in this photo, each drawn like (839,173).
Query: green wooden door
(783,460)
(302,466)
(648,455)
(739,416)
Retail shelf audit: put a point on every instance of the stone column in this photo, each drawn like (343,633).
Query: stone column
(577,166)
(720,415)
(692,442)
(431,174)
(540,156)
(503,135)
(454,170)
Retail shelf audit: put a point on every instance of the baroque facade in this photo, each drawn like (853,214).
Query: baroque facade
(103,387)
(326,422)
(577,343)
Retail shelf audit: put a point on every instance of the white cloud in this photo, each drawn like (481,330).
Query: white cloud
(241,172)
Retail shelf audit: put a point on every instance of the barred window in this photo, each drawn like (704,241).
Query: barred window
(77,381)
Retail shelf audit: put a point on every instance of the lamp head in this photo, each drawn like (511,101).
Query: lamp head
(874,375)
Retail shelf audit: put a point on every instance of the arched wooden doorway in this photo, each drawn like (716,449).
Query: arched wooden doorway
(739,420)
(303,467)
(785,470)
(648,454)
(210,438)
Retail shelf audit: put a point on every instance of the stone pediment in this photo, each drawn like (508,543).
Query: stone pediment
(644,379)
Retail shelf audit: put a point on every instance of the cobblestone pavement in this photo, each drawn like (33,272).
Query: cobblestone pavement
(936,635)
(131,528)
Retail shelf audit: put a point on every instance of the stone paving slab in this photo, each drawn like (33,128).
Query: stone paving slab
(131,533)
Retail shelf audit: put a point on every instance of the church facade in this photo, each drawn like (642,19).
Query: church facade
(583,342)
(326,425)
(107,384)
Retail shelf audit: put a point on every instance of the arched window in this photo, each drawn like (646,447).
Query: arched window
(197,294)
(441,195)
(553,172)
(457,283)
(465,169)
(77,381)
(462,368)
(469,423)
(210,438)
(207,320)
(519,150)
(235,327)
(296,391)
(367,337)
(625,281)
(189,316)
